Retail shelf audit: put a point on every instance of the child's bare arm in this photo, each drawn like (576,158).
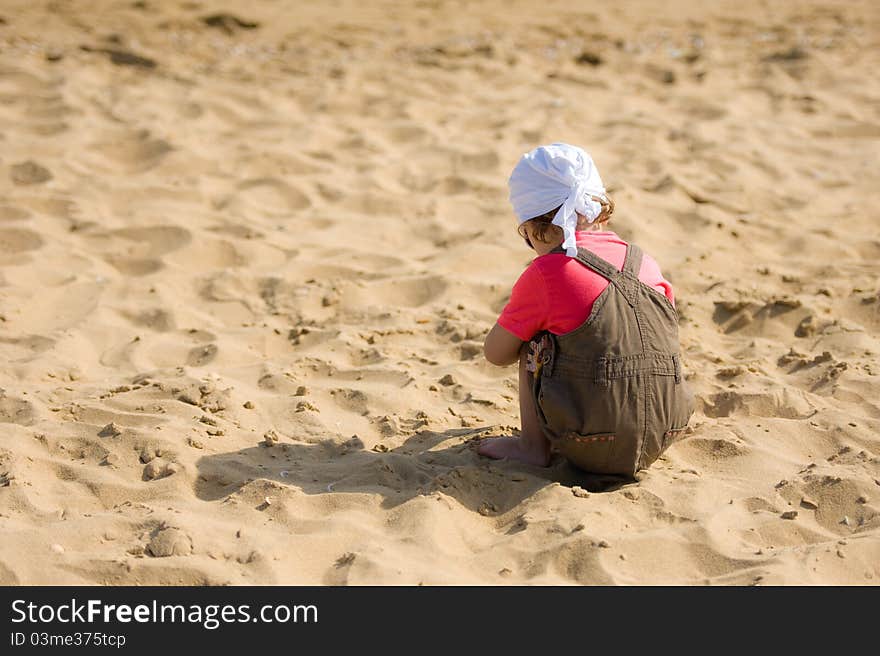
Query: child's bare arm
(501,346)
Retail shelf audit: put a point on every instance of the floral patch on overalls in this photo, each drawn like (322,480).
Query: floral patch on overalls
(540,354)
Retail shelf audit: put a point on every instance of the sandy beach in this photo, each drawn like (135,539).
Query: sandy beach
(249,252)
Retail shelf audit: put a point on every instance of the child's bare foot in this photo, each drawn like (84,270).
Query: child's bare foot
(530,451)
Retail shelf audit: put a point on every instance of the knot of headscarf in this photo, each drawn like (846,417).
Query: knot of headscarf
(558,175)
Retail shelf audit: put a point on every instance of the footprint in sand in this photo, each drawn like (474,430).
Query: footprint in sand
(701,110)
(690,221)
(39,107)
(408,133)
(19,240)
(16,411)
(213,254)
(407,292)
(130,266)
(779,316)
(29,173)
(851,131)
(13,213)
(377,262)
(131,151)
(785,403)
(154,241)
(352,400)
(476,162)
(59,208)
(155,319)
(60,306)
(201,355)
(27,347)
(272,196)
(136,251)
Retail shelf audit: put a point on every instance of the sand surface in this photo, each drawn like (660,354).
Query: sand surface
(246,271)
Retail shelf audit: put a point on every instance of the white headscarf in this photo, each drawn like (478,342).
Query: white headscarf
(554,175)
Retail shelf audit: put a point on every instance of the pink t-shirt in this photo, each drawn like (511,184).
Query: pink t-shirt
(557,293)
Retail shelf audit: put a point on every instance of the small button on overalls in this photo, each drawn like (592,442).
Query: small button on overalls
(610,394)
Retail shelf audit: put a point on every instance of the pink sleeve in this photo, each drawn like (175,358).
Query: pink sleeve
(650,275)
(526,311)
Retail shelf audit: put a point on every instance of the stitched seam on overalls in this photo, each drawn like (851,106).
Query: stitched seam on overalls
(599,437)
(636,304)
(648,390)
(604,369)
(631,266)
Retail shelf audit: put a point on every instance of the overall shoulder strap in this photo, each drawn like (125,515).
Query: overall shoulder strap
(608,271)
(633,262)
(603,267)
(593,262)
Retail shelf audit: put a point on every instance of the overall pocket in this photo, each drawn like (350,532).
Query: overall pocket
(670,408)
(684,410)
(595,426)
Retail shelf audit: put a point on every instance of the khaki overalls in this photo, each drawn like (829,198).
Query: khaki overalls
(610,394)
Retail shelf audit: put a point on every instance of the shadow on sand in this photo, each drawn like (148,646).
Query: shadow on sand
(426,462)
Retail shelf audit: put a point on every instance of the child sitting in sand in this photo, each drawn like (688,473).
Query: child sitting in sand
(593,325)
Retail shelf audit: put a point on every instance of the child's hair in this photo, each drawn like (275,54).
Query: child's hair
(544,223)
